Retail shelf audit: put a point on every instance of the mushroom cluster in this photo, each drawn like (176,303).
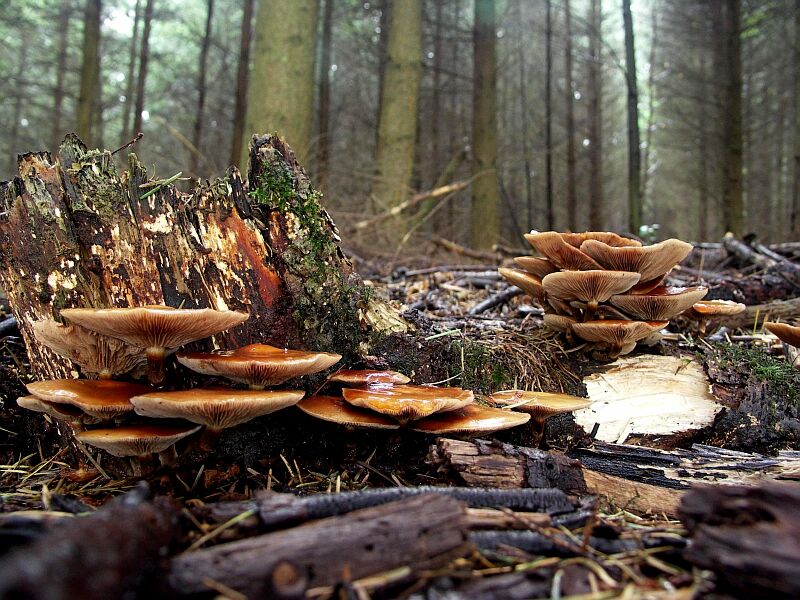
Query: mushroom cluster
(605,289)
(386,400)
(114,342)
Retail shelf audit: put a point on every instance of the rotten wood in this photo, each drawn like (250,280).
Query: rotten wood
(75,232)
(109,554)
(749,537)
(422,532)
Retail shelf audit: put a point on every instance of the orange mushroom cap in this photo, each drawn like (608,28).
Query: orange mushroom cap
(408,402)
(337,410)
(473,419)
(104,399)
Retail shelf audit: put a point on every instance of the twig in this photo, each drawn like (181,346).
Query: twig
(139,136)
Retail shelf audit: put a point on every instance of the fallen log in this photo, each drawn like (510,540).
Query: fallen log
(109,554)
(422,532)
(748,536)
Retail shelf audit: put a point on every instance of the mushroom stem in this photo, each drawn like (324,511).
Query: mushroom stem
(168,456)
(136,466)
(591,310)
(155,365)
(105,375)
(208,438)
(537,431)
(256,386)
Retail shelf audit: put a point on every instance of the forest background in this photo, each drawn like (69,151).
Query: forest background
(665,118)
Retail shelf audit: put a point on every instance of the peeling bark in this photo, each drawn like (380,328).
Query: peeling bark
(77,233)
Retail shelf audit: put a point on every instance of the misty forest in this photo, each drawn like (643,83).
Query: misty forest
(400,299)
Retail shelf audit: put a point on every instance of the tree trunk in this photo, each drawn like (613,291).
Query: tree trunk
(569,101)
(732,193)
(485,217)
(87,97)
(64,17)
(19,100)
(397,129)
(241,85)
(548,118)
(651,92)
(129,82)
(795,212)
(595,117)
(197,135)
(436,97)
(634,150)
(144,57)
(281,94)
(102,239)
(324,142)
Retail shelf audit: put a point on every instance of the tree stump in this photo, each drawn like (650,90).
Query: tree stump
(75,232)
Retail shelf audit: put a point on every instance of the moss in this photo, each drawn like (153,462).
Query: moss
(755,365)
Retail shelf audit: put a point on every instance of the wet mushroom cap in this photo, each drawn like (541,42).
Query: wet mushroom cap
(63,412)
(473,419)
(617,332)
(337,410)
(104,399)
(215,408)
(785,332)
(649,261)
(607,237)
(552,246)
(588,286)
(539,405)
(91,351)
(659,305)
(258,364)
(408,402)
(528,283)
(367,377)
(155,326)
(718,308)
(136,440)
(535,265)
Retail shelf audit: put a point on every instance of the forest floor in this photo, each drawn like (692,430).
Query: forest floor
(604,550)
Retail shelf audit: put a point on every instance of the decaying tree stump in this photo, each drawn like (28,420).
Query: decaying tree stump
(75,232)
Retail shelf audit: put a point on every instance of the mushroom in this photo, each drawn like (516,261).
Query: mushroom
(258,365)
(649,261)
(158,329)
(527,282)
(709,313)
(607,237)
(337,410)
(621,336)
(559,252)
(92,352)
(103,399)
(408,402)
(217,409)
(560,323)
(470,420)
(788,334)
(535,265)
(539,405)
(661,304)
(72,415)
(139,441)
(353,377)
(592,287)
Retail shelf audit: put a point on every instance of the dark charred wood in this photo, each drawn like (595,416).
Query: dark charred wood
(421,532)
(534,583)
(109,554)
(749,537)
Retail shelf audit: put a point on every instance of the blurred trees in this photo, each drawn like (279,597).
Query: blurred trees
(717,82)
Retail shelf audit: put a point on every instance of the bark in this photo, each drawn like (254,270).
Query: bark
(129,82)
(144,58)
(90,65)
(732,189)
(569,103)
(795,211)
(749,537)
(703,198)
(436,94)
(101,240)
(595,116)
(324,141)
(420,533)
(634,149)
(397,127)
(197,159)
(110,554)
(548,118)
(281,93)
(485,216)
(241,85)
(64,17)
